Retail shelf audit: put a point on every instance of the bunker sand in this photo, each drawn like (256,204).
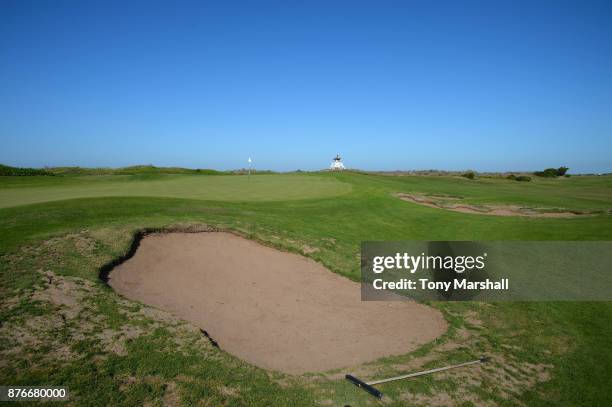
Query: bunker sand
(276,310)
(450,203)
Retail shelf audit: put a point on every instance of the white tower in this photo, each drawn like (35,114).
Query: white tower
(337,165)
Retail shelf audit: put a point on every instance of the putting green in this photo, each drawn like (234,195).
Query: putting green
(216,187)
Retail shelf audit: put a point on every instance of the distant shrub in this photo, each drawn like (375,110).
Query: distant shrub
(21,172)
(469,175)
(522,178)
(206,171)
(133,170)
(245,171)
(567,175)
(552,172)
(547,173)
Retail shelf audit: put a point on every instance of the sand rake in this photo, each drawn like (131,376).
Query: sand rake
(369,386)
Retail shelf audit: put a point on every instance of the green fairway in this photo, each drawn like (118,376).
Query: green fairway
(63,230)
(16,191)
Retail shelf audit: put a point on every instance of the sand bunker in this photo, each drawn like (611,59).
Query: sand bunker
(276,310)
(454,204)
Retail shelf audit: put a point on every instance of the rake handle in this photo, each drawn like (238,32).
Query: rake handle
(424,372)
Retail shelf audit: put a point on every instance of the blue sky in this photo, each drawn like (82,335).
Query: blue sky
(487,85)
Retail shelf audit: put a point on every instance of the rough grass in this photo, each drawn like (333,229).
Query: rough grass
(60,325)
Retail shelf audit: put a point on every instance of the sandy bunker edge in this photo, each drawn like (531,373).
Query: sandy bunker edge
(276,310)
(453,204)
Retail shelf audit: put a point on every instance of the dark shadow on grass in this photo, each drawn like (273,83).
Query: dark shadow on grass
(106,269)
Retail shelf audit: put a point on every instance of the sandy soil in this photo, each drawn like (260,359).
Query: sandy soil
(450,204)
(273,309)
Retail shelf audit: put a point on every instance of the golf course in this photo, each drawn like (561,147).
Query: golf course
(62,324)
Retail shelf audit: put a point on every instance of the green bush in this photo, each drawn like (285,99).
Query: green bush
(469,175)
(21,172)
(552,172)
(547,173)
(522,178)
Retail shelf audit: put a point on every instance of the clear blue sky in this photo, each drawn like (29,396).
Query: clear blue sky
(486,85)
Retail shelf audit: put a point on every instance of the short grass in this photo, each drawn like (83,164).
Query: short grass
(111,351)
(16,191)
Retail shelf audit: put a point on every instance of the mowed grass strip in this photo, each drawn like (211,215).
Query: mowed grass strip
(28,190)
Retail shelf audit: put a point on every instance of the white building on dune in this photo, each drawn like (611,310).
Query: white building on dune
(337,165)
